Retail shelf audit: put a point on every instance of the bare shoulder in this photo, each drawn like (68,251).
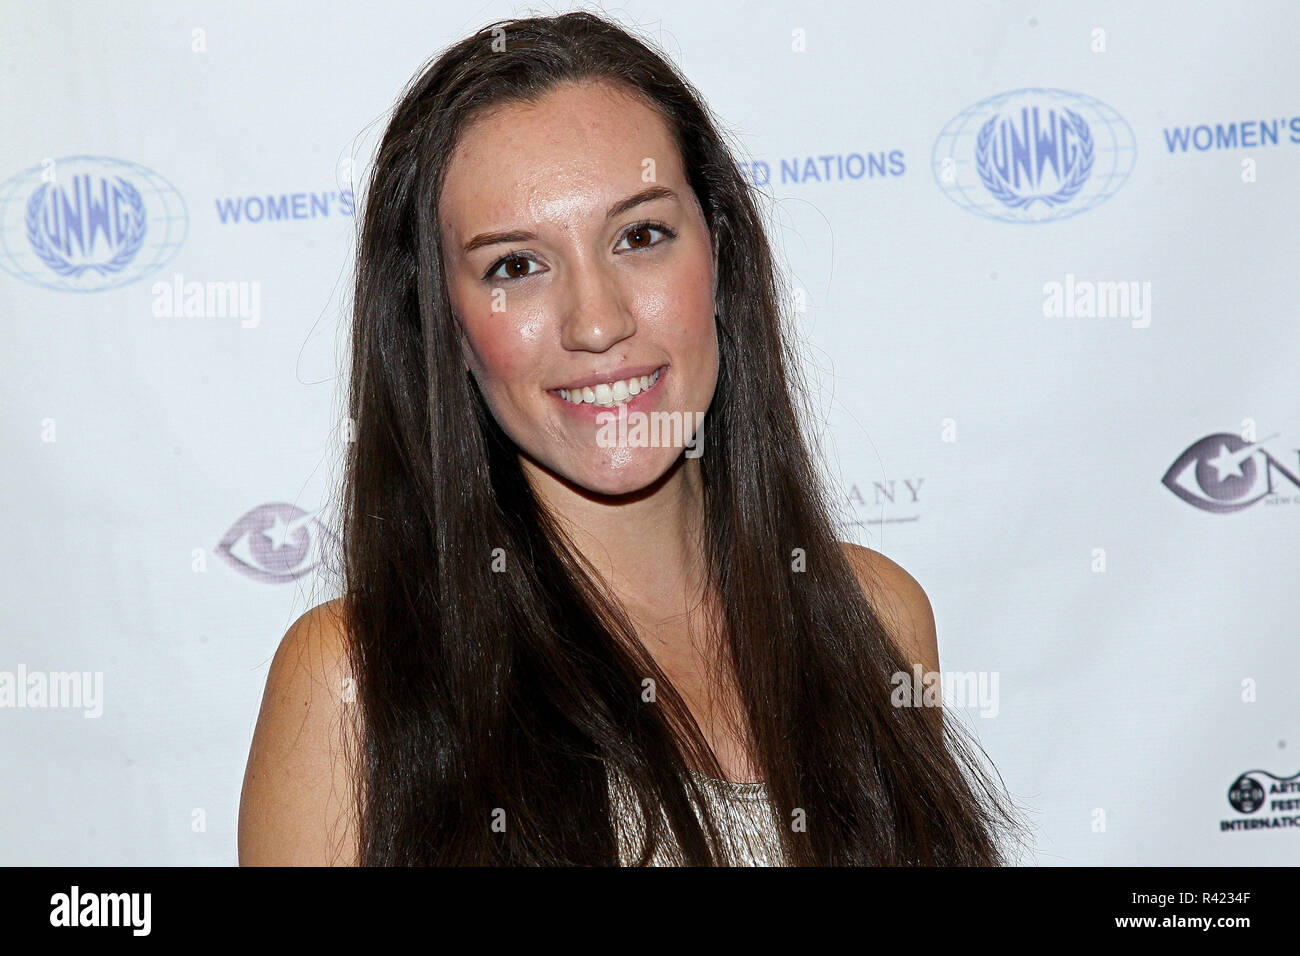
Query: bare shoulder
(298,806)
(901,603)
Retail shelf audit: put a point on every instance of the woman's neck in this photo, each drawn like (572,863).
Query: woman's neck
(648,546)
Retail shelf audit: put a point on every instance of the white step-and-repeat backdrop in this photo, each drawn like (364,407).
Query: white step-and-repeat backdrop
(1048,262)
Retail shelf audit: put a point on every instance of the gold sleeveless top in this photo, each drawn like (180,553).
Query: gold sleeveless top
(742,811)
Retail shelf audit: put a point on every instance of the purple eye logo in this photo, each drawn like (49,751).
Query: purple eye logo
(1224,473)
(274,543)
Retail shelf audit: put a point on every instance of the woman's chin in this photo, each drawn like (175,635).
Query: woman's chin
(623,471)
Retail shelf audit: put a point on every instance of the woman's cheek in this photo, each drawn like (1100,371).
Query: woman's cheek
(502,343)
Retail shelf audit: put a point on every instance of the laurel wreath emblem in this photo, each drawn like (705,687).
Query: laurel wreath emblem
(1068,189)
(132,239)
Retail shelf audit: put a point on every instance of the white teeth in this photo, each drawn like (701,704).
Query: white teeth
(608,394)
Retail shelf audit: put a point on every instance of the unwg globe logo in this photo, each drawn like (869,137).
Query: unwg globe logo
(89,223)
(1033,155)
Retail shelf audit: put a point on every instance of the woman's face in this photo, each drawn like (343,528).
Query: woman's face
(580,264)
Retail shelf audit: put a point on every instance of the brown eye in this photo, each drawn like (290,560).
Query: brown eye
(515,266)
(641,236)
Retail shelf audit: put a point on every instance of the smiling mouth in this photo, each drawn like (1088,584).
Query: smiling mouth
(610,394)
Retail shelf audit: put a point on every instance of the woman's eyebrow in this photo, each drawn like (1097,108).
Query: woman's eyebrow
(649,194)
(646,195)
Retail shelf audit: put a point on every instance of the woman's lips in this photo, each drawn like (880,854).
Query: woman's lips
(641,402)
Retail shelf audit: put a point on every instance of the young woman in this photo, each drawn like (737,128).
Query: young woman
(559,644)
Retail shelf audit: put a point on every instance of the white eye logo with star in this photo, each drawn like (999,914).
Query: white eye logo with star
(274,543)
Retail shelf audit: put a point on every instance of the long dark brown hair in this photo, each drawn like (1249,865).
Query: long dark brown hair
(488,697)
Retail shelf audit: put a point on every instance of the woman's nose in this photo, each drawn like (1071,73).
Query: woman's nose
(596,321)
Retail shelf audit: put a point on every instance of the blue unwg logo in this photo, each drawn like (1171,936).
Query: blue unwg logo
(1034,155)
(89,223)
